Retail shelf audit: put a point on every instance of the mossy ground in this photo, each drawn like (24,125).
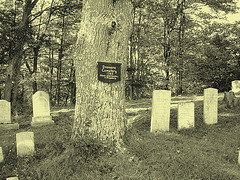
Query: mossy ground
(204,152)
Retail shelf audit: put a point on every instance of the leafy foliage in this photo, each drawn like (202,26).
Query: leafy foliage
(178,46)
(174,45)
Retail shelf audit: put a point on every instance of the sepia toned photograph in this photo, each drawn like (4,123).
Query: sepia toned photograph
(119,89)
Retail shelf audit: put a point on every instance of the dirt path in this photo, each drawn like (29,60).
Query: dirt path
(145,104)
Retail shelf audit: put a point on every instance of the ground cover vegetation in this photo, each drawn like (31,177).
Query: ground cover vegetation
(204,152)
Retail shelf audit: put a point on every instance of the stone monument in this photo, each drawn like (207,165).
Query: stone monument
(25,143)
(1,155)
(5,112)
(185,115)
(210,106)
(160,118)
(236,86)
(239,157)
(5,116)
(41,109)
(12,178)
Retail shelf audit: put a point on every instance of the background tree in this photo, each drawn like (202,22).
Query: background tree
(174,44)
(46,41)
(171,33)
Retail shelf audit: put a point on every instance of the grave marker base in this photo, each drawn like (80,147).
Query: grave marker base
(41,120)
(9,126)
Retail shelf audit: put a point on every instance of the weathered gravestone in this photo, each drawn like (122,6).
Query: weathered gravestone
(239,157)
(185,115)
(41,109)
(5,111)
(5,116)
(230,99)
(12,178)
(1,155)
(25,143)
(210,106)
(236,86)
(160,117)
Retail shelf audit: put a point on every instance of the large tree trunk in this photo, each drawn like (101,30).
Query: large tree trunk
(103,37)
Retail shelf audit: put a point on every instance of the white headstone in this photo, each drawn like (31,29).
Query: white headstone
(1,155)
(25,143)
(160,118)
(210,106)
(238,157)
(12,178)
(5,111)
(185,115)
(41,109)
(236,86)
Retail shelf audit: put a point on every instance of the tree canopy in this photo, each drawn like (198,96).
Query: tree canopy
(174,45)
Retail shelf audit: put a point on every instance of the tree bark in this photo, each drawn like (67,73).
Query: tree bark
(8,83)
(131,68)
(70,91)
(103,37)
(12,81)
(60,57)
(181,33)
(51,58)
(35,62)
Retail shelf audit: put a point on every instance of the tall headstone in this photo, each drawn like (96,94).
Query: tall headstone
(160,118)
(1,155)
(41,109)
(236,86)
(5,112)
(185,115)
(210,106)
(25,143)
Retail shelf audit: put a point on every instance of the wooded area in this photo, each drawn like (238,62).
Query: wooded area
(119,89)
(174,45)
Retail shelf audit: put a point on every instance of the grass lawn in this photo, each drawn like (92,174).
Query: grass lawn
(205,152)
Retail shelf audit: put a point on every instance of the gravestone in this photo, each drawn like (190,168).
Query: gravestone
(5,116)
(239,157)
(5,112)
(12,178)
(41,109)
(236,86)
(25,143)
(210,106)
(1,155)
(185,115)
(160,117)
(230,99)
